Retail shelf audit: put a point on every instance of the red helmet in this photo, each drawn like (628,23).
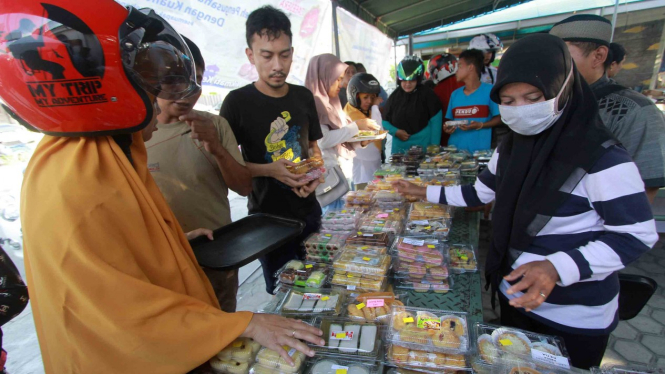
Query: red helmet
(68,69)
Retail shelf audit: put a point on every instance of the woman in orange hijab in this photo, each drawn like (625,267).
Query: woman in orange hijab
(114,284)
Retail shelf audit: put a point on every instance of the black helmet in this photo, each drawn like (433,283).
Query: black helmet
(410,68)
(361,83)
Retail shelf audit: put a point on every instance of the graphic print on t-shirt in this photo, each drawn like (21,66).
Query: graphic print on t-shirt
(471,111)
(283,142)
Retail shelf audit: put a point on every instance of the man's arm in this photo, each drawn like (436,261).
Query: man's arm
(475,125)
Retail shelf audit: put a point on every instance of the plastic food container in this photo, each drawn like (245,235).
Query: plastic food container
(419,250)
(339,366)
(305,166)
(451,124)
(496,344)
(424,285)
(304,274)
(462,258)
(362,263)
(362,197)
(526,367)
(417,271)
(367,238)
(429,330)
(348,339)
(323,302)
(425,211)
(321,244)
(341,220)
(237,357)
(403,356)
(372,307)
(359,282)
(373,224)
(399,370)
(269,361)
(437,227)
(460,156)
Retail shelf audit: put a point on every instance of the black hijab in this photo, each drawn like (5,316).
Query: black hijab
(535,174)
(411,111)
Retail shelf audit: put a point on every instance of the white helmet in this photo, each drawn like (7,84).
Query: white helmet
(486,43)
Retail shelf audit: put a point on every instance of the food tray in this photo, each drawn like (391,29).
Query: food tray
(339,366)
(429,330)
(325,244)
(462,258)
(269,361)
(236,357)
(397,214)
(403,356)
(362,197)
(424,250)
(429,211)
(304,274)
(243,241)
(372,225)
(417,270)
(340,220)
(323,302)
(362,263)
(372,307)
(361,238)
(496,343)
(424,285)
(359,282)
(344,338)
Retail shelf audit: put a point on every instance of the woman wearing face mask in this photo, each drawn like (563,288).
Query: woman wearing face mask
(324,75)
(413,114)
(570,207)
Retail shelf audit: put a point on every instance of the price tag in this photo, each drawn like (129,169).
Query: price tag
(324,298)
(551,359)
(340,369)
(344,211)
(505,342)
(397,209)
(328,235)
(289,350)
(382,215)
(408,320)
(341,335)
(309,266)
(360,233)
(428,227)
(413,241)
(375,303)
(312,296)
(366,258)
(364,247)
(464,257)
(369,235)
(236,344)
(431,246)
(351,288)
(422,223)
(360,306)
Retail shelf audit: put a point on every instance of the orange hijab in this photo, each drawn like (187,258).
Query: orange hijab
(113,282)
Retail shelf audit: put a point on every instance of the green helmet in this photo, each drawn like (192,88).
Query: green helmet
(410,68)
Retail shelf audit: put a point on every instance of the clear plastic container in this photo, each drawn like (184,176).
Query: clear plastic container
(429,211)
(338,366)
(310,275)
(269,361)
(403,356)
(350,339)
(451,124)
(495,344)
(526,367)
(387,169)
(424,285)
(322,258)
(429,330)
(372,225)
(236,357)
(417,271)
(439,228)
(397,214)
(420,370)
(359,282)
(306,166)
(427,251)
(362,263)
(320,243)
(362,197)
(373,307)
(360,238)
(463,258)
(340,220)
(627,369)
(323,302)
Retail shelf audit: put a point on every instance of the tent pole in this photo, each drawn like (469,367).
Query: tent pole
(335,28)
(614,18)
(410,44)
(395,56)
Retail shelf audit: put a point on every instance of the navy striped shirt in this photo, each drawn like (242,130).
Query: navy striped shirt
(604,225)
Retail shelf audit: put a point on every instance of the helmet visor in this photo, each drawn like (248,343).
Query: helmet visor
(156,57)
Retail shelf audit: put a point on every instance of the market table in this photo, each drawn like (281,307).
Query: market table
(465,295)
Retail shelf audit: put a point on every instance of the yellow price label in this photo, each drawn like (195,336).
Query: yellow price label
(328,235)
(364,247)
(397,209)
(309,266)
(236,344)
(325,298)
(340,335)
(360,233)
(431,246)
(360,306)
(349,275)
(505,342)
(344,211)
(408,320)
(428,227)
(464,257)
(366,258)
(341,371)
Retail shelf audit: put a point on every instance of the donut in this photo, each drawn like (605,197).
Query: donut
(229,366)
(446,339)
(354,312)
(398,320)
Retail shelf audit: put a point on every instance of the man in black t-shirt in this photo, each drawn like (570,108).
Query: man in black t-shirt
(276,125)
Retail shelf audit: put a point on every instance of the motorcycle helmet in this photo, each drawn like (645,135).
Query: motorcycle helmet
(361,83)
(73,70)
(487,43)
(410,68)
(441,67)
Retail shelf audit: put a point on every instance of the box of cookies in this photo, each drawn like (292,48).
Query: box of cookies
(496,343)
(429,211)
(344,338)
(419,270)
(429,330)
(373,225)
(463,258)
(321,244)
(340,220)
(422,360)
(269,361)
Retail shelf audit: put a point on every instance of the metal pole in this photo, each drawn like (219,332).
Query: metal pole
(410,44)
(614,18)
(395,53)
(335,28)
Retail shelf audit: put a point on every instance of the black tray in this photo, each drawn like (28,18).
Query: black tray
(245,240)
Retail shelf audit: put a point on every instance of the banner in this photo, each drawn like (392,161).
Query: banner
(364,43)
(218,28)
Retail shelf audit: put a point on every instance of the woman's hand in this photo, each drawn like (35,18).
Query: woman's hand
(310,187)
(406,188)
(366,124)
(275,332)
(474,125)
(402,135)
(199,232)
(377,100)
(539,277)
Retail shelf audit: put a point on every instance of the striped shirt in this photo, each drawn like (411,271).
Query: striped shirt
(605,224)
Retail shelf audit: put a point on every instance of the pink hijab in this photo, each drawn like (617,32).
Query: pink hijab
(322,72)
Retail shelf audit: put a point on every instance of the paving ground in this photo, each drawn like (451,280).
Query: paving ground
(640,341)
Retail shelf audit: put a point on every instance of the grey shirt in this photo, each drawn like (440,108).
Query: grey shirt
(639,125)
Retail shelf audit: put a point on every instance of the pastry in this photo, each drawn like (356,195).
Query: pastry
(399,354)
(446,339)
(439,272)
(487,350)
(454,324)
(413,334)
(239,350)
(455,360)
(316,279)
(329,305)
(403,319)
(294,301)
(369,314)
(298,358)
(355,313)
(307,305)
(439,359)
(367,339)
(440,288)
(420,287)
(418,358)
(547,348)
(295,265)
(350,346)
(268,358)
(512,342)
(229,366)
(323,367)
